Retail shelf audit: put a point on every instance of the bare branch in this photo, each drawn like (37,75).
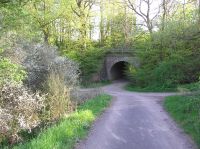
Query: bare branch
(146,16)
(131,6)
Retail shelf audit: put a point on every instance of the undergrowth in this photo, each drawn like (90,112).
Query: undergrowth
(71,129)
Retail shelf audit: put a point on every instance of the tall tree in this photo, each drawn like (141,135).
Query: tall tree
(116,23)
(82,10)
(46,12)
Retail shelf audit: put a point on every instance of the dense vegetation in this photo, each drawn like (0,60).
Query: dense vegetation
(171,56)
(47,47)
(70,129)
(165,36)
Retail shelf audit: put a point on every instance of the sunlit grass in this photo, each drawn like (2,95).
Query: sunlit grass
(71,129)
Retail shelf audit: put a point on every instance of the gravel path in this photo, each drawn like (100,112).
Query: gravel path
(135,121)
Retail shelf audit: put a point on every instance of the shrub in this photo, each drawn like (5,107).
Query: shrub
(142,77)
(169,73)
(58,102)
(62,80)
(19,110)
(67,69)
(39,60)
(42,59)
(131,73)
(90,61)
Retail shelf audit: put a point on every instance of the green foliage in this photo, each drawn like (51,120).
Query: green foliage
(170,58)
(71,129)
(190,87)
(153,88)
(90,60)
(1,51)
(15,19)
(185,110)
(10,71)
(168,72)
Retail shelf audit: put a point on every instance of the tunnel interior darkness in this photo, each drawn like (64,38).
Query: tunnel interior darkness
(118,70)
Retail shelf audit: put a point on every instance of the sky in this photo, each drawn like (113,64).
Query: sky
(153,10)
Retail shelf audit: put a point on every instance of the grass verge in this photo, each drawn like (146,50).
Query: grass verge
(71,129)
(186,112)
(191,86)
(184,87)
(130,87)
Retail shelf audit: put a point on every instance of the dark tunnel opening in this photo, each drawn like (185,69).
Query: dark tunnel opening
(118,71)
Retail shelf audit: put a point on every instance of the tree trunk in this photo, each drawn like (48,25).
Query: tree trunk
(199,12)
(164,15)
(46,37)
(101,24)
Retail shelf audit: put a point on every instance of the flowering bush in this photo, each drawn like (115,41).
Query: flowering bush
(19,110)
(40,60)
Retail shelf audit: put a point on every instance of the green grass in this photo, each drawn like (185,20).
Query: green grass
(130,87)
(191,86)
(186,112)
(95,85)
(184,87)
(71,129)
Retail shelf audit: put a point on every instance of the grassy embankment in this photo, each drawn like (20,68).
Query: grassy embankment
(185,110)
(71,129)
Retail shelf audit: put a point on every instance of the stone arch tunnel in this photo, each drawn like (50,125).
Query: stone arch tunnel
(116,64)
